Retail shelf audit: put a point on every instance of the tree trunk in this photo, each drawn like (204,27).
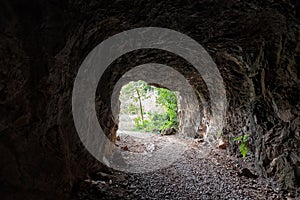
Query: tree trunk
(141,107)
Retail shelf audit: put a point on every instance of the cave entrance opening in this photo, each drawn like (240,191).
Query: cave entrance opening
(147,108)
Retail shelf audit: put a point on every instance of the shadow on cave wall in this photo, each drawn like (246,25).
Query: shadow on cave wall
(255,45)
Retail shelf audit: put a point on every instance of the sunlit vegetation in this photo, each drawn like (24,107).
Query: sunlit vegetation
(134,96)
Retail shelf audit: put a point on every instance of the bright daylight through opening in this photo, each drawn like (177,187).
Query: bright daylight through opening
(148,109)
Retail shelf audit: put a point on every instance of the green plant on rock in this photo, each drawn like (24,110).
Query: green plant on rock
(243,147)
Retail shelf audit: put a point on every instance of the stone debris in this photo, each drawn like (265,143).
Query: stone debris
(213,176)
(169,131)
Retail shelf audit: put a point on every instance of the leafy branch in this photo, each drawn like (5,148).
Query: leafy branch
(243,147)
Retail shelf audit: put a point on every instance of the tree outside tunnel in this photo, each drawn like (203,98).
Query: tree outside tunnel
(148,108)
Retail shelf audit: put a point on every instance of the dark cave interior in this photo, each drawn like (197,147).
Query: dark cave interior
(255,45)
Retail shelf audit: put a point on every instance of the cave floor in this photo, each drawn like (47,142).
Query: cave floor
(213,176)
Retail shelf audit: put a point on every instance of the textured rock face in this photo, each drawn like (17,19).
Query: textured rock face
(42,44)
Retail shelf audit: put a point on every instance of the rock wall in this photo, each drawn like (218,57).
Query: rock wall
(42,44)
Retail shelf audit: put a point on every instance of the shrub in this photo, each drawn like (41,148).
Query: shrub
(243,147)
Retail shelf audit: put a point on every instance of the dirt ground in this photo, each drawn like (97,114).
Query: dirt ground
(215,175)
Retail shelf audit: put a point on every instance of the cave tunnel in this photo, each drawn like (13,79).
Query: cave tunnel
(190,118)
(255,46)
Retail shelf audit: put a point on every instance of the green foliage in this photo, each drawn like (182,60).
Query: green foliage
(156,121)
(130,89)
(243,147)
(137,91)
(141,124)
(168,100)
(132,109)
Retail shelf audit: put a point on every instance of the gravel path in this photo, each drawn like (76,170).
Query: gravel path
(215,176)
